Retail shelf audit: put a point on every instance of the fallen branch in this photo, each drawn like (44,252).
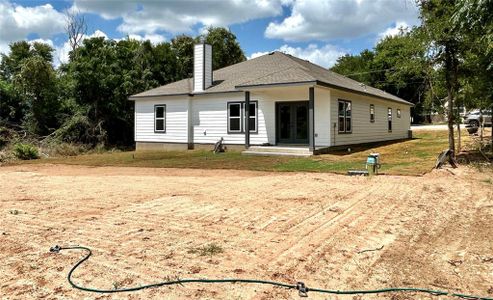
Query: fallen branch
(370,250)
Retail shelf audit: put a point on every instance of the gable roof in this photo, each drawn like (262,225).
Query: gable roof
(271,69)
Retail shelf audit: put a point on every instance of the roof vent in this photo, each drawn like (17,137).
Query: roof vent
(272,53)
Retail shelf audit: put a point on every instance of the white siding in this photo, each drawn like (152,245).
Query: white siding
(364,131)
(210,119)
(198,67)
(176,120)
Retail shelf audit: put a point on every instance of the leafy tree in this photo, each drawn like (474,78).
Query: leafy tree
(445,47)
(183,45)
(29,88)
(357,67)
(475,18)
(226,49)
(37,83)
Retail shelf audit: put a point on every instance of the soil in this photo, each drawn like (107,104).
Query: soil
(148,225)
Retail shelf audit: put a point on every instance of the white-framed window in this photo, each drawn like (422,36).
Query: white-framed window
(372,113)
(160,118)
(345,116)
(237,117)
(389,119)
(399,113)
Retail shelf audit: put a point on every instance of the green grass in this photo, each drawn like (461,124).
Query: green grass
(410,157)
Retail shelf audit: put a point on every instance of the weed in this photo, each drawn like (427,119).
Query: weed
(25,151)
(14,212)
(487,180)
(207,250)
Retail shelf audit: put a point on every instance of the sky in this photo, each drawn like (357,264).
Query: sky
(317,30)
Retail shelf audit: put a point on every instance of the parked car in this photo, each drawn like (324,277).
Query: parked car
(473,118)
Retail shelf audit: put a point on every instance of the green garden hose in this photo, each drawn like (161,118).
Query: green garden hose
(299,286)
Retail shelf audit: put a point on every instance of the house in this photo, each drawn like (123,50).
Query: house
(272,100)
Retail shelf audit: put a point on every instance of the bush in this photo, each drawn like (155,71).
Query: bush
(63,149)
(25,151)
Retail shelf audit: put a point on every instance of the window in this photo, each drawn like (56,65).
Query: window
(399,113)
(234,117)
(160,118)
(237,113)
(372,113)
(390,119)
(253,117)
(344,116)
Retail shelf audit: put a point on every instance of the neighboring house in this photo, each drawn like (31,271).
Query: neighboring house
(275,99)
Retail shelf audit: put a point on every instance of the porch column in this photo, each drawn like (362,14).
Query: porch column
(311,118)
(247,120)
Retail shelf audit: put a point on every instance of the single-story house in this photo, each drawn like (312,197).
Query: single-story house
(275,100)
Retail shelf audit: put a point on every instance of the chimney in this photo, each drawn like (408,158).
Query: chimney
(202,67)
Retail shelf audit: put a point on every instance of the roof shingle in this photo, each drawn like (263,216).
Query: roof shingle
(270,69)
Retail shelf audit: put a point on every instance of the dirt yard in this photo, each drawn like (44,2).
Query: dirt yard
(147,225)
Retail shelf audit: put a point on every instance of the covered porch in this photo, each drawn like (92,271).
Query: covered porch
(290,111)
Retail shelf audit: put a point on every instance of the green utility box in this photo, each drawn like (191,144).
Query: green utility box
(373,163)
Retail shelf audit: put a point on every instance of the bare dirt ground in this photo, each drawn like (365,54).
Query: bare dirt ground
(145,225)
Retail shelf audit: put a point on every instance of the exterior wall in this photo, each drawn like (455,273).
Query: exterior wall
(210,119)
(284,94)
(208,66)
(176,120)
(364,131)
(198,67)
(202,119)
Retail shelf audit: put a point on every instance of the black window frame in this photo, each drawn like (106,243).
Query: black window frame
(389,119)
(372,113)
(162,118)
(242,117)
(345,103)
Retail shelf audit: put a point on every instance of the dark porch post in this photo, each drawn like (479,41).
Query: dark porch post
(311,118)
(247,120)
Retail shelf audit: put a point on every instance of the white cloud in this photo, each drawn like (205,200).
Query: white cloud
(17,22)
(325,56)
(394,30)
(335,19)
(150,16)
(154,38)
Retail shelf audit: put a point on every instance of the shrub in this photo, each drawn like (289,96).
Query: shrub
(25,151)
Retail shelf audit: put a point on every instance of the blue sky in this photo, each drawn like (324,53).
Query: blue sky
(317,30)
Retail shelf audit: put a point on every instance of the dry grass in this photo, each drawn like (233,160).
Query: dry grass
(408,157)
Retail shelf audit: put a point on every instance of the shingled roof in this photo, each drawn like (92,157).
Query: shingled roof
(275,68)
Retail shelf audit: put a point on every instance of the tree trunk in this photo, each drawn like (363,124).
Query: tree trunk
(459,138)
(450,85)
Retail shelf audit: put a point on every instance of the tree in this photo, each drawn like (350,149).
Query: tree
(445,48)
(183,45)
(29,86)
(38,85)
(75,28)
(226,49)
(475,18)
(357,67)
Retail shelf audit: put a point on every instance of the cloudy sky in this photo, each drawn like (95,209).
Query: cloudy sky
(317,30)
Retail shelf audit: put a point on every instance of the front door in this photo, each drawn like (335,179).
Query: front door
(292,122)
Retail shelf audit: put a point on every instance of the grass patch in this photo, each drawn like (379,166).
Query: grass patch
(409,157)
(207,250)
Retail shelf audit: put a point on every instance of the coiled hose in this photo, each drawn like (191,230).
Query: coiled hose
(299,286)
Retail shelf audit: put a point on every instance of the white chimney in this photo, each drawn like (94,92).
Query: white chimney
(202,67)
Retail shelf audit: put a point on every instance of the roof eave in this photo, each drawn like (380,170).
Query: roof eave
(242,87)
(329,85)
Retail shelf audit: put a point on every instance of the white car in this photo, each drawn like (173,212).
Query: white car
(473,118)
